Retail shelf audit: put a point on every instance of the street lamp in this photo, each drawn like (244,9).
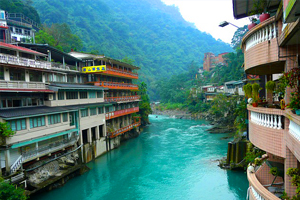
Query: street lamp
(225,23)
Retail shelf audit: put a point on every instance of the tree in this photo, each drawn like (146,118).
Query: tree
(10,192)
(144,104)
(238,36)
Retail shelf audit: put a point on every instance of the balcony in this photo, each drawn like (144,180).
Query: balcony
(120,73)
(290,33)
(124,129)
(61,67)
(24,62)
(266,129)
(293,134)
(116,85)
(119,113)
(261,49)
(257,190)
(7,85)
(123,98)
(46,149)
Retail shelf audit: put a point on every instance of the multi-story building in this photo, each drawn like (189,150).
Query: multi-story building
(210,61)
(16,28)
(271,47)
(117,77)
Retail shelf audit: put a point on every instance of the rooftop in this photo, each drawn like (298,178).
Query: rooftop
(18,48)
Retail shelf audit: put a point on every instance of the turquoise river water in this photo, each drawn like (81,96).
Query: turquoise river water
(172,159)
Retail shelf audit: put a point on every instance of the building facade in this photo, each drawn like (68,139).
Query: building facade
(210,61)
(271,47)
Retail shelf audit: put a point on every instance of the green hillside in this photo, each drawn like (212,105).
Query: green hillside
(153,34)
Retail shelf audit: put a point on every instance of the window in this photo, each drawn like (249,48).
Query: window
(17,125)
(93,111)
(100,110)
(17,74)
(92,94)
(35,76)
(72,95)
(1,72)
(61,95)
(37,121)
(65,117)
(84,112)
(54,119)
(100,94)
(83,95)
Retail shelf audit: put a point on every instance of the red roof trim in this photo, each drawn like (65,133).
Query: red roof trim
(26,90)
(11,46)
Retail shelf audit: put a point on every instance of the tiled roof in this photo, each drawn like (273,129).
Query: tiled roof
(14,47)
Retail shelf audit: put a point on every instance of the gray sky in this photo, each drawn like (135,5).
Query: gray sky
(207,14)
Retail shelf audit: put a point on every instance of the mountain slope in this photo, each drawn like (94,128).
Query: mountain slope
(156,36)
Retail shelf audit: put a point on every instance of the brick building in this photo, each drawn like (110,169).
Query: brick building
(210,61)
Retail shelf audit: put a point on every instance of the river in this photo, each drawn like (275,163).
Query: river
(172,159)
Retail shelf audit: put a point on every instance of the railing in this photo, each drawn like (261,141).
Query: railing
(267,31)
(124,98)
(48,149)
(267,120)
(256,194)
(108,68)
(16,165)
(62,67)
(14,60)
(124,129)
(13,22)
(294,130)
(116,85)
(21,85)
(119,113)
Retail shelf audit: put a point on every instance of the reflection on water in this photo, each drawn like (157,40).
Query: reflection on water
(172,159)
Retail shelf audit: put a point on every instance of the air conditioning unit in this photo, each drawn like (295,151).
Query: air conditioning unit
(50,97)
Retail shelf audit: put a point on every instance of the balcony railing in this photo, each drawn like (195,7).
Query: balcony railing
(294,130)
(264,31)
(21,85)
(60,66)
(267,120)
(17,164)
(124,98)
(14,60)
(48,149)
(122,72)
(119,113)
(124,129)
(116,85)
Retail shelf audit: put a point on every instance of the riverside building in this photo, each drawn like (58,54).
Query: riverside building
(272,47)
(60,114)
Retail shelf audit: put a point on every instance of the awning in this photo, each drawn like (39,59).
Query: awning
(42,138)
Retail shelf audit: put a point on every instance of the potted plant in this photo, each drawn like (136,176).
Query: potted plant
(295,102)
(270,86)
(261,7)
(248,90)
(274,172)
(253,21)
(255,95)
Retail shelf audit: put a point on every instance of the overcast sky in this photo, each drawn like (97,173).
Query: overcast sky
(207,15)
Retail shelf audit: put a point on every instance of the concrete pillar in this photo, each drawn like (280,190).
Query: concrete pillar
(0,165)
(27,77)
(7,160)
(49,55)
(64,64)
(89,134)
(44,77)
(97,132)
(6,74)
(80,138)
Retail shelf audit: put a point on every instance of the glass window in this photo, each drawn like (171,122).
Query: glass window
(100,110)
(65,117)
(72,95)
(1,72)
(17,74)
(83,95)
(61,95)
(54,119)
(93,111)
(37,121)
(17,125)
(100,94)
(35,76)
(84,112)
(92,94)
